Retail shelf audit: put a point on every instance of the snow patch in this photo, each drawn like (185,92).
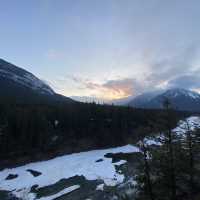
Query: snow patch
(182,127)
(190,122)
(24,194)
(61,193)
(100,187)
(152,141)
(65,167)
(121,162)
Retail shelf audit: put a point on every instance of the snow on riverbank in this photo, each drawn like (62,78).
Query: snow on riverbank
(93,165)
(65,167)
(183,125)
(190,122)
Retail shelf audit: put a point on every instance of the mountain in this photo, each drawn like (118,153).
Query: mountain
(181,99)
(21,86)
(143,99)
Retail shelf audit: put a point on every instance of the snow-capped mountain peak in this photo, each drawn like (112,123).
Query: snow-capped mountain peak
(24,78)
(181,99)
(22,87)
(173,93)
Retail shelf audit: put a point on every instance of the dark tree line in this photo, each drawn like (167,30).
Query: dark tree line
(26,130)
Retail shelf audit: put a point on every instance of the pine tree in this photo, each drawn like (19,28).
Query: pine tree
(144,178)
(169,139)
(146,153)
(191,141)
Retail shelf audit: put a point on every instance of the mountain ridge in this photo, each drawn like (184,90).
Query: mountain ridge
(180,98)
(20,86)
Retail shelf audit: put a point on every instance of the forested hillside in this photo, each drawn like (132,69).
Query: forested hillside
(29,130)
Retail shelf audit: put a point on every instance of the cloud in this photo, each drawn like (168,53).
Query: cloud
(111,89)
(170,66)
(177,70)
(186,81)
(171,70)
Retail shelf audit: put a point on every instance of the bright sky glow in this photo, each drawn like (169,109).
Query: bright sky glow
(104,48)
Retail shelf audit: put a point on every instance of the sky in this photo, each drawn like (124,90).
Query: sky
(108,49)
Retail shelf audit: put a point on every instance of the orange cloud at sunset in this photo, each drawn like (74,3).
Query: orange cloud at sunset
(110,90)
